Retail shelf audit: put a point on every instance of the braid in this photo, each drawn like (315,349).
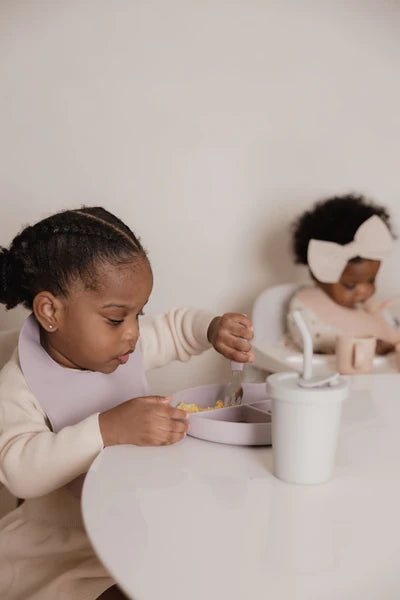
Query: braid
(9,295)
(131,239)
(68,245)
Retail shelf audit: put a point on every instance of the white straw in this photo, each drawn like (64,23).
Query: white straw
(307,344)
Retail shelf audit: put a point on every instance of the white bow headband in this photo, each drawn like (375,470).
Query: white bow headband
(327,260)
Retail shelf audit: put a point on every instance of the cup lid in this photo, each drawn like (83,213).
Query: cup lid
(287,383)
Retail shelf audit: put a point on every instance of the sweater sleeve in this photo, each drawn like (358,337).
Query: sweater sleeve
(33,460)
(176,335)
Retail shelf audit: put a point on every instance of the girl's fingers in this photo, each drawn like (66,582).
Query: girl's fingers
(238,318)
(159,435)
(235,355)
(169,412)
(163,408)
(238,344)
(234,343)
(156,399)
(170,426)
(236,329)
(244,321)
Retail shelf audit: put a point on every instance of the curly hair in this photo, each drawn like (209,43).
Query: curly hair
(66,246)
(335,219)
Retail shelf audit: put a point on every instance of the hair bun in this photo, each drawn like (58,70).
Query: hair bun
(9,270)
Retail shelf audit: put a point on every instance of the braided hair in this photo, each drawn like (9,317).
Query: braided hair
(64,247)
(335,219)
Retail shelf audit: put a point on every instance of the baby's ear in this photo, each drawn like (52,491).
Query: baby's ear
(47,309)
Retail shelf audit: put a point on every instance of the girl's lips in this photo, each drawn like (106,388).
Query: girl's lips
(124,358)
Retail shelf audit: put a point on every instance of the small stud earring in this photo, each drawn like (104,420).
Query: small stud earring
(50,326)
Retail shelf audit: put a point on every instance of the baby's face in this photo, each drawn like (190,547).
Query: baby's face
(357,283)
(99,328)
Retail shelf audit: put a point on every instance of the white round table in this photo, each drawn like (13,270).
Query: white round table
(207,521)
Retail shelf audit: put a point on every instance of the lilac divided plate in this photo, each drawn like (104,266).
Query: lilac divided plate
(248,424)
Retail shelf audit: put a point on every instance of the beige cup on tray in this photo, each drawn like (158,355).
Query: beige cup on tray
(355,354)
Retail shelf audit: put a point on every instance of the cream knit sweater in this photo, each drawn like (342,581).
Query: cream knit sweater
(44,551)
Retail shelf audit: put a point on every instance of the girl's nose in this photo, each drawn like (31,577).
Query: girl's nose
(131,332)
(362,292)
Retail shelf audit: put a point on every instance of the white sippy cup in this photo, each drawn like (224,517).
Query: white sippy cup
(305,420)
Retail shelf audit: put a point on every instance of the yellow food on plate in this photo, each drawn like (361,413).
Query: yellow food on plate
(192,408)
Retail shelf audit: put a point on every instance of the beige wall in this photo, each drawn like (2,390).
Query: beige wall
(206,125)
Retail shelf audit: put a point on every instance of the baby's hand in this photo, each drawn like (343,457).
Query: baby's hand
(148,421)
(230,335)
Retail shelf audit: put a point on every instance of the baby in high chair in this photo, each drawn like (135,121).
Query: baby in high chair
(76,383)
(343,241)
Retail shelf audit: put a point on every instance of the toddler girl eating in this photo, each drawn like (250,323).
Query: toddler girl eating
(343,241)
(76,384)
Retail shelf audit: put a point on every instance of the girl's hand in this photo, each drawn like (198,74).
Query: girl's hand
(148,421)
(230,335)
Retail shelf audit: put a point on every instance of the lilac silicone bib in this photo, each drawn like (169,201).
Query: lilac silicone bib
(68,396)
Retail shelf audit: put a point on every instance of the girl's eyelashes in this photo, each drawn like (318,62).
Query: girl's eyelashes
(119,321)
(351,286)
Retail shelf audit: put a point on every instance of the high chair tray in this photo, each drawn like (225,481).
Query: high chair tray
(248,424)
(275,358)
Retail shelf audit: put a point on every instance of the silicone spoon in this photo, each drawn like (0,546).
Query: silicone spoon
(234,392)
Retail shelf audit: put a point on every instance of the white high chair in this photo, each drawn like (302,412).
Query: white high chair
(269,321)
